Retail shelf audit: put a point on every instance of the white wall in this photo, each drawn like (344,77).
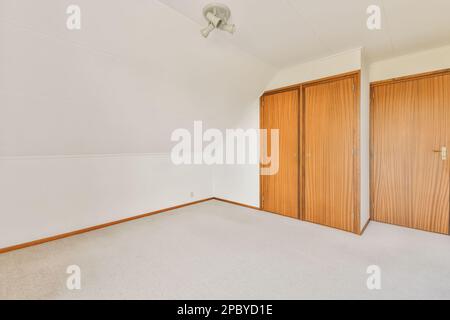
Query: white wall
(49,195)
(136,71)
(122,84)
(329,66)
(240,183)
(364,147)
(410,64)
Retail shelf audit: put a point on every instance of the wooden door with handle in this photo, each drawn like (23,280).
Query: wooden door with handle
(410,139)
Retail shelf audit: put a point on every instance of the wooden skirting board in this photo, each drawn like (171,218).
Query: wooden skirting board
(259,209)
(100,226)
(105,225)
(237,203)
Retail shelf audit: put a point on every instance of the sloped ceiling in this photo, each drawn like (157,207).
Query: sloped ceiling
(135,71)
(287,32)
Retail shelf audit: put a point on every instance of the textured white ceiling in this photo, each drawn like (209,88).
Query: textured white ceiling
(286,32)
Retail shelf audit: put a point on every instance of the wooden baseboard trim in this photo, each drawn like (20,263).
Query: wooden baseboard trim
(100,226)
(105,225)
(237,203)
(365,227)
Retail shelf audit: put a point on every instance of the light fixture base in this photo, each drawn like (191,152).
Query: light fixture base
(219,10)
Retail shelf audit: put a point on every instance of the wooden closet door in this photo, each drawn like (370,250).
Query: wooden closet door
(279,192)
(410,181)
(330,125)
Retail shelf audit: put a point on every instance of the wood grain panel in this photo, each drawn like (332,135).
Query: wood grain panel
(410,182)
(279,192)
(392,124)
(329,133)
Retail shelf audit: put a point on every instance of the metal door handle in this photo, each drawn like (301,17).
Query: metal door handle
(443,152)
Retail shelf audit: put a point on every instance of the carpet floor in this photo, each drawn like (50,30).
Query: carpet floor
(216,250)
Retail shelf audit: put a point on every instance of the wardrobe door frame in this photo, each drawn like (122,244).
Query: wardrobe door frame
(356,75)
(356,141)
(299,150)
(380,83)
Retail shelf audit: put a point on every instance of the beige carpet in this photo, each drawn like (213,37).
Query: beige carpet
(216,250)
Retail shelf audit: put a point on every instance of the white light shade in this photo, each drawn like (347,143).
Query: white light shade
(217,16)
(215,20)
(231,28)
(206,31)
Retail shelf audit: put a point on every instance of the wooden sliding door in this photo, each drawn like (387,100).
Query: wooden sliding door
(410,166)
(279,192)
(330,133)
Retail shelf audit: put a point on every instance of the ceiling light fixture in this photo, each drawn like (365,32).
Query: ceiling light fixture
(217,16)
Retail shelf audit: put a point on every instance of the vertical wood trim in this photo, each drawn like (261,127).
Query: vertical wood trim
(357,155)
(371,168)
(261,126)
(301,157)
